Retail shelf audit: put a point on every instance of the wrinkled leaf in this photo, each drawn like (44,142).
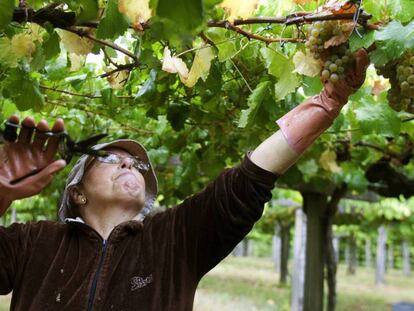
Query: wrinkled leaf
(74,43)
(138,11)
(305,64)
(173,64)
(239,9)
(201,66)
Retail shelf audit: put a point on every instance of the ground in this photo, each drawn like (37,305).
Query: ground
(249,284)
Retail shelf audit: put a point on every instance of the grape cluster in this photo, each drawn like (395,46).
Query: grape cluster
(335,59)
(401,76)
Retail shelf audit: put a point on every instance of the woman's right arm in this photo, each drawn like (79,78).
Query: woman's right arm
(27,165)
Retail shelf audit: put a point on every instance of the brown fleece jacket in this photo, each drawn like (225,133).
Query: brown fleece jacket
(154,265)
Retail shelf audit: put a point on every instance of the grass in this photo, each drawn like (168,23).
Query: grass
(250,284)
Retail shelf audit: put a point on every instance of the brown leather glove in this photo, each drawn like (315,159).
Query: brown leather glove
(28,165)
(303,124)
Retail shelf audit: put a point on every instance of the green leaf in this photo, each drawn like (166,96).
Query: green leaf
(113,24)
(51,47)
(312,85)
(148,87)
(283,68)
(260,93)
(395,31)
(87,11)
(401,10)
(226,48)
(386,52)
(308,167)
(177,113)
(187,15)
(23,91)
(379,118)
(356,42)
(288,81)
(6,12)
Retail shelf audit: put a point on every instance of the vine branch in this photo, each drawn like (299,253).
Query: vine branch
(90,96)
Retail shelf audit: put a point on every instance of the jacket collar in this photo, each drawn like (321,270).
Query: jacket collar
(117,234)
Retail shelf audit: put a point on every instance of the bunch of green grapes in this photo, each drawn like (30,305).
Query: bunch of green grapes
(401,76)
(334,59)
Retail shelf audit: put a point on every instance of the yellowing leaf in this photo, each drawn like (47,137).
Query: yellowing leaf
(7,56)
(174,64)
(76,61)
(118,79)
(328,161)
(201,66)
(306,65)
(22,45)
(137,11)
(74,43)
(239,8)
(35,32)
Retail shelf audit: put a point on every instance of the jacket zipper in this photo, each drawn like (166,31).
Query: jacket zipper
(96,277)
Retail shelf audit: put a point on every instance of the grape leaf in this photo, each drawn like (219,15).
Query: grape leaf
(395,31)
(386,51)
(51,46)
(401,9)
(260,93)
(6,12)
(305,64)
(288,81)
(87,10)
(226,48)
(177,114)
(137,11)
(379,118)
(201,66)
(23,91)
(186,15)
(283,68)
(239,9)
(356,42)
(113,24)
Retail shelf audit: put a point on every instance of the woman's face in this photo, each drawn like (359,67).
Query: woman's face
(118,183)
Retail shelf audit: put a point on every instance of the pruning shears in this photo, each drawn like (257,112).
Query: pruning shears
(67,146)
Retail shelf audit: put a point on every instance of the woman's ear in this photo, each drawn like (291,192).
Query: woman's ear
(77,196)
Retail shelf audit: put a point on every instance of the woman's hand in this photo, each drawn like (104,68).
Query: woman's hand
(28,164)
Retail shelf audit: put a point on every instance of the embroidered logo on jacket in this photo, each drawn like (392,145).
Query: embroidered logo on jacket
(140,282)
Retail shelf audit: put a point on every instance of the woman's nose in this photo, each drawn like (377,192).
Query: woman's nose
(127,162)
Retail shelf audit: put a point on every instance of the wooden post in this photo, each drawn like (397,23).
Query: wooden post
(285,240)
(381,257)
(276,253)
(299,252)
(406,258)
(368,255)
(336,241)
(390,257)
(315,206)
(352,263)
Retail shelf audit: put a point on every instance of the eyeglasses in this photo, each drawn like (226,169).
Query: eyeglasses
(113,158)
